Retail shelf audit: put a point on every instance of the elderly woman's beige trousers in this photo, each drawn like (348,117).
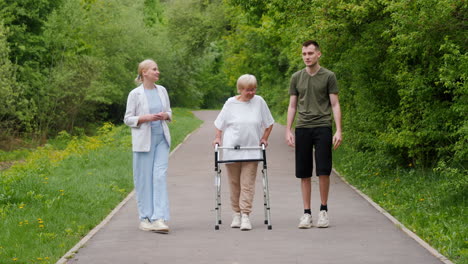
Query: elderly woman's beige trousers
(241,177)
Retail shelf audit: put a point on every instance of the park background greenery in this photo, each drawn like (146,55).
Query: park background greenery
(68,65)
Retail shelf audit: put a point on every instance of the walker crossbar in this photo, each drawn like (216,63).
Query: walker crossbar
(266,195)
(244,160)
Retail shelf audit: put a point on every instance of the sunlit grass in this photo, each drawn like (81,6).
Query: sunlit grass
(54,198)
(431,203)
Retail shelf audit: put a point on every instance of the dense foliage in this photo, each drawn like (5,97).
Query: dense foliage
(402,66)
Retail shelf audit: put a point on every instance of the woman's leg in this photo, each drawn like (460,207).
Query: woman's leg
(233,171)
(143,180)
(247,183)
(160,196)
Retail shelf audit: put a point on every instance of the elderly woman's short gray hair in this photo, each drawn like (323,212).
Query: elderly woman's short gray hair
(246,80)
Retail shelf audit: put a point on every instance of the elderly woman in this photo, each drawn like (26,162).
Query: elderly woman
(245,120)
(148,111)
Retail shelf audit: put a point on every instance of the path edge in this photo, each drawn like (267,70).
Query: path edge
(71,253)
(397,223)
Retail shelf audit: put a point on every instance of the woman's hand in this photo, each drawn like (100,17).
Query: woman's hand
(162,116)
(152,117)
(264,141)
(216,141)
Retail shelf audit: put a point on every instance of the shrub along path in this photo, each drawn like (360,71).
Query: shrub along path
(358,233)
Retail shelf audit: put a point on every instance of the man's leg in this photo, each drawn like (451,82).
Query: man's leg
(306,192)
(324,182)
(323,159)
(304,150)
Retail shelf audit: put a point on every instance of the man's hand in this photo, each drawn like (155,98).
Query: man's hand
(290,138)
(337,139)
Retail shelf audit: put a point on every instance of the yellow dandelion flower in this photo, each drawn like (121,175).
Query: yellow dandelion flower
(46,178)
(39,258)
(21,206)
(61,190)
(41,226)
(46,258)
(15,259)
(422,199)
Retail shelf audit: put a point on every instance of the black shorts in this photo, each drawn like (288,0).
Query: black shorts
(307,139)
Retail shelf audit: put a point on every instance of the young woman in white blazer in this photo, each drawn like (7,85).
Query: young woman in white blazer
(148,112)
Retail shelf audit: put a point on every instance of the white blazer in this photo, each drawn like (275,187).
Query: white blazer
(137,105)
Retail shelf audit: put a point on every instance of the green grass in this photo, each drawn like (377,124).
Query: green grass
(431,203)
(14,155)
(54,198)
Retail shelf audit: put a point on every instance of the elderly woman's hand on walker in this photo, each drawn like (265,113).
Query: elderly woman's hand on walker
(217,139)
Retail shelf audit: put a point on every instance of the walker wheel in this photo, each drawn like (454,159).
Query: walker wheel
(219,222)
(266,222)
(216,227)
(269,227)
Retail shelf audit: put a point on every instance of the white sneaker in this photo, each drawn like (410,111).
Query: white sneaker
(160,226)
(323,219)
(145,225)
(236,220)
(245,223)
(305,221)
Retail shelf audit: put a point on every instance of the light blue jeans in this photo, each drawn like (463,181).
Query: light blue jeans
(149,175)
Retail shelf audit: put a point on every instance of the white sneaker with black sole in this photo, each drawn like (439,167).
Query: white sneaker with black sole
(160,226)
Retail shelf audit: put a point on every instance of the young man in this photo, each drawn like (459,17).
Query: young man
(314,96)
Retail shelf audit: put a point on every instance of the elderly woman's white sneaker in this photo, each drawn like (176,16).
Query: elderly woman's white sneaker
(236,220)
(245,223)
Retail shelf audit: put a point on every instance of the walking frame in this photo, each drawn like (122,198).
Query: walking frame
(266,195)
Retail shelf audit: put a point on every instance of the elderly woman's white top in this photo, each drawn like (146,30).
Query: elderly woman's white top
(243,124)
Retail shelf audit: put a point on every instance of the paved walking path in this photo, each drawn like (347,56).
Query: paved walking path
(358,233)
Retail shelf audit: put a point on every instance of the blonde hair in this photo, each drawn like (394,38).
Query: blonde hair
(246,80)
(144,65)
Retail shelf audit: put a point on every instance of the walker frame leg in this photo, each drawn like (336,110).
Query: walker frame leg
(218,199)
(266,198)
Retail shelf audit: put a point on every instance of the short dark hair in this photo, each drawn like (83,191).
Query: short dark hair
(311,42)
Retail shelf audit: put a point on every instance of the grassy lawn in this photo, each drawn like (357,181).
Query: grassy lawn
(431,203)
(56,196)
